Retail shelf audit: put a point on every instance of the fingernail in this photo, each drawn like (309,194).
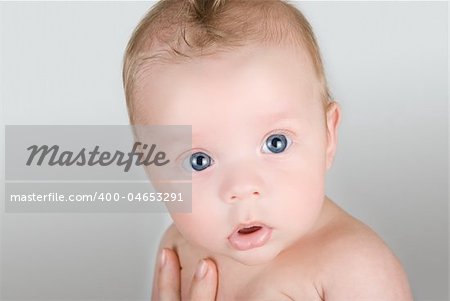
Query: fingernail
(163,257)
(201,270)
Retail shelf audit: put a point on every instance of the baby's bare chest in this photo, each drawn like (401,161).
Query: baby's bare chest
(274,288)
(284,283)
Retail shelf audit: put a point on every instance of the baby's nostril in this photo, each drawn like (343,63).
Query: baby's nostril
(249,230)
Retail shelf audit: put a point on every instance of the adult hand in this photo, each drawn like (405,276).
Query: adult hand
(204,282)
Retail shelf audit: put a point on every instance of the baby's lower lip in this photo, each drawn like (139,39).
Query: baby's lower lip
(250,238)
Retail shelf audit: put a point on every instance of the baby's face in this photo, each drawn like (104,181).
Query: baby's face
(260,147)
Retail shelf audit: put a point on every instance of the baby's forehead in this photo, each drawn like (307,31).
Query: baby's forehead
(275,66)
(263,80)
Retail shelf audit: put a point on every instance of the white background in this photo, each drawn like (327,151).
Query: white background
(387,65)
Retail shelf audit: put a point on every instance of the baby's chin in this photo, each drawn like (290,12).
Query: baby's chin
(253,257)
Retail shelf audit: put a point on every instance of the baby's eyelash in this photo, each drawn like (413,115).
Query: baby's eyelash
(183,159)
(285,132)
(277,142)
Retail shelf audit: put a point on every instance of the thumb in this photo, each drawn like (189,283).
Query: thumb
(204,284)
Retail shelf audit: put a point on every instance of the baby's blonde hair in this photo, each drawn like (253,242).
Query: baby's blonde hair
(176,30)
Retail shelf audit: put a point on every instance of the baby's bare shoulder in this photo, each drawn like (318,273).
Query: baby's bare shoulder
(345,260)
(356,264)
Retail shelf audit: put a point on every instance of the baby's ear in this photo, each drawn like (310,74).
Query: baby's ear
(333,115)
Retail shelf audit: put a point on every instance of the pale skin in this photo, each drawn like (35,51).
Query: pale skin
(317,251)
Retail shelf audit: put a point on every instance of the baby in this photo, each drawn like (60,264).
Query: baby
(248,77)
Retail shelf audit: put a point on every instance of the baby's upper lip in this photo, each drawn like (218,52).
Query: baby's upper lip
(248,225)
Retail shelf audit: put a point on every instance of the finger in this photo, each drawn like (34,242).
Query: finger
(204,284)
(169,276)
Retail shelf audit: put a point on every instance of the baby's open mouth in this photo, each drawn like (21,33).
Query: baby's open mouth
(249,230)
(250,236)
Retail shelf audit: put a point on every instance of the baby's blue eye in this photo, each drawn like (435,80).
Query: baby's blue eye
(276,143)
(200,161)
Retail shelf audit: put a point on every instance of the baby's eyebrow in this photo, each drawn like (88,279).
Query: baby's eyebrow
(282,118)
(271,122)
(197,136)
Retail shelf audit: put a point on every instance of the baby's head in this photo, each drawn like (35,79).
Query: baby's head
(248,77)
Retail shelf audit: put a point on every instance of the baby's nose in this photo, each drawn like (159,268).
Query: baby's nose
(242,192)
(241,181)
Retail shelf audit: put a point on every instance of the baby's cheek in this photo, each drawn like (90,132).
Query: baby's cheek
(201,227)
(302,199)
